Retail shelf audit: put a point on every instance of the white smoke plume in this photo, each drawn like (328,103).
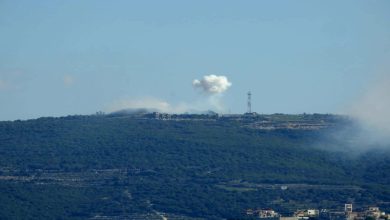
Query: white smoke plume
(150,103)
(372,110)
(68,80)
(369,129)
(212,84)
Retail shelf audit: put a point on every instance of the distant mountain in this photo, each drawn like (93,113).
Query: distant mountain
(123,166)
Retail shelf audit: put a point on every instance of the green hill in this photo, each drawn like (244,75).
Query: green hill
(194,166)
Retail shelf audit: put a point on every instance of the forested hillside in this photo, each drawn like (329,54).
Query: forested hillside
(81,167)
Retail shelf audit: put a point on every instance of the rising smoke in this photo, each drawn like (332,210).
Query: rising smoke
(366,124)
(149,103)
(212,84)
(372,111)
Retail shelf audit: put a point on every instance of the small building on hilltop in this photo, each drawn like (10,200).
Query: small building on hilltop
(264,214)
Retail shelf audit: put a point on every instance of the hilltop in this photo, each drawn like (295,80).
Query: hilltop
(189,165)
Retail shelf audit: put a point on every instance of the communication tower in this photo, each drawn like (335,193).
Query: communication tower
(249,102)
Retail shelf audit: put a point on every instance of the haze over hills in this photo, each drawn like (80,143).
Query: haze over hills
(189,165)
(174,77)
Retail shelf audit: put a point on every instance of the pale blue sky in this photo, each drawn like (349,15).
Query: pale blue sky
(78,57)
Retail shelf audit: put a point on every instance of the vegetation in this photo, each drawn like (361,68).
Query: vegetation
(79,167)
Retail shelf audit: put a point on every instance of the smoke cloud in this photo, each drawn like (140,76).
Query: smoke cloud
(68,80)
(372,110)
(149,103)
(366,126)
(212,84)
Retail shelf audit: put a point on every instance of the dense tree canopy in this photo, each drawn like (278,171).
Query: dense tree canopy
(86,166)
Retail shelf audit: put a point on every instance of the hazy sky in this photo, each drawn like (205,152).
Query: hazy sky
(78,57)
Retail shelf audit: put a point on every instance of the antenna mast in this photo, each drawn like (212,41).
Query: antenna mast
(249,102)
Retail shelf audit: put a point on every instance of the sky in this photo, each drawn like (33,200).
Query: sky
(70,57)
